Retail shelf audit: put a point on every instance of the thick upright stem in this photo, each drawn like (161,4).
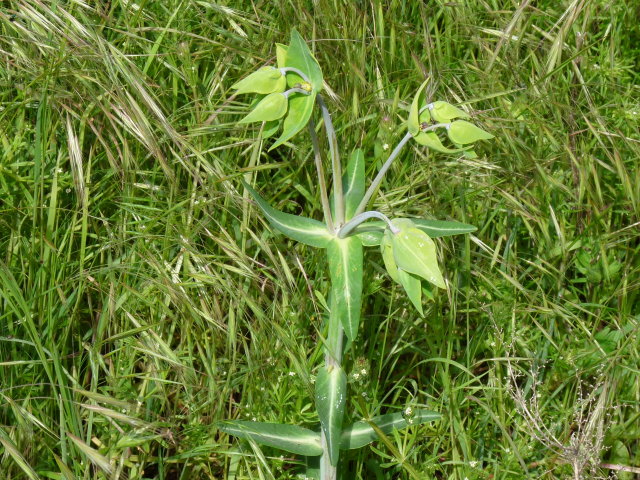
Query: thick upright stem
(332,358)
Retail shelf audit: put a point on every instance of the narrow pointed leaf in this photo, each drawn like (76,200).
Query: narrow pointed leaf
(444,112)
(354,183)
(431,140)
(331,393)
(412,286)
(304,230)
(371,234)
(463,132)
(300,109)
(361,433)
(413,122)
(266,80)
(415,252)
(345,269)
(271,107)
(442,228)
(11,450)
(94,456)
(299,56)
(291,438)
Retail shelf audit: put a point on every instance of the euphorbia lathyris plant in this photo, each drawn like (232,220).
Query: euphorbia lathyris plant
(288,95)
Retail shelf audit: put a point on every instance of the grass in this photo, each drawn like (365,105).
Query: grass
(143,298)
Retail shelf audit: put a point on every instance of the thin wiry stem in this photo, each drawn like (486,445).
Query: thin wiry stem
(363,217)
(301,74)
(376,181)
(324,197)
(338,199)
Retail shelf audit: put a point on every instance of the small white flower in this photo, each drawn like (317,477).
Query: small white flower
(356,375)
(385,147)
(292,374)
(473,463)
(408,411)
(363,371)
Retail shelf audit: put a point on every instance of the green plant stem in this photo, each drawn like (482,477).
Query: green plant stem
(322,185)
(338,199)
(363,217)
(301,74)
(376,181)
(332,358)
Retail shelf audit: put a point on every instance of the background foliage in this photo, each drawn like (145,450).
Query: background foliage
(143,298)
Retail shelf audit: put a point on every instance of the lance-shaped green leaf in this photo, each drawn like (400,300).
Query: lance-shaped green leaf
(412,286)
(361,433)
(331,393)
(299,56)
(266,80)
(444,112)
(353,183)
(345,269)
(463,132)
(291,438)
(442,228)
(413,122)
(271,107)
(300,109)
(372,233)
(431,140)
(415,252)
(304,230)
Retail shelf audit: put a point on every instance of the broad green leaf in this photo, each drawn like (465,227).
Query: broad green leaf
(411,285)
(304,230)
(415,252)
(444,112)
(300,108)
(354,183)
(386,249)
(266,80)
(361,433)
(431,140)
(271,107)
(345,269)
(470,154)
(281,54)
(331,393)
(291,438)
(413,122)
(463,132)
(442,228)
(299,56)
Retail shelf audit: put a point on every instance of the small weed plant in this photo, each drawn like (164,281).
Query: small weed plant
(287,97)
